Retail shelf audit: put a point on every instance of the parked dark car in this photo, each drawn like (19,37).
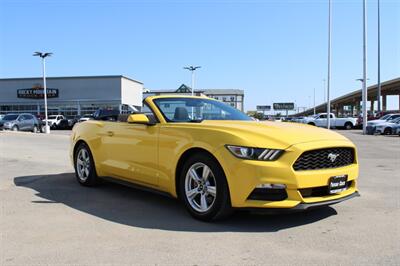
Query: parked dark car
(73,121)
(106,114)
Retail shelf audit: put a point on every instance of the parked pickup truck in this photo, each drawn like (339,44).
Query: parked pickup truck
(321,120)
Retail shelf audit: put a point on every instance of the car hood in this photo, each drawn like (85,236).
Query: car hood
(385,124)
(375,122)
(272,134)
(8,122)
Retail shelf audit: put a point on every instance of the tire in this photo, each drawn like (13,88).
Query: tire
(311,124)
(15,128)
(348,126)
(85,169)
(35,129)
(208,198)
(387,131)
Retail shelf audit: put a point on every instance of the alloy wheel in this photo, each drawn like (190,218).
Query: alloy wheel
(200,187)
(83,164)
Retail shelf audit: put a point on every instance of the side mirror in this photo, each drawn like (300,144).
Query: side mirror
(139,119)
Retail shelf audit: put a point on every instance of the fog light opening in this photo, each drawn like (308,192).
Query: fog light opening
(271,186)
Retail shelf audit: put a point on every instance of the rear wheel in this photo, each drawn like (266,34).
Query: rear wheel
(203,188)
(35,129)
(348,125)
(85,170)
(311,124)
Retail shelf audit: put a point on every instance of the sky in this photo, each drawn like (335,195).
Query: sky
(276,51)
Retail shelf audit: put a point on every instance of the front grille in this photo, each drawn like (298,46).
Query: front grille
(324,158)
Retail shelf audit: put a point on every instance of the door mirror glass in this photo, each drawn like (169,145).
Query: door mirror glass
(139,119)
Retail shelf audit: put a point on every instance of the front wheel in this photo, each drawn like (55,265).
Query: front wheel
(35,129)
(203,188)
(387,131)
(15,128)
(85,170)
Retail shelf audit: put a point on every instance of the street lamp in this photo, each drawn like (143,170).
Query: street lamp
(43,56)
(328,109)
(362,92)
(379,58)
(314,101)
(192,69)
(364,79)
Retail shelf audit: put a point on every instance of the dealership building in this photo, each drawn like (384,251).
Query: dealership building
(77,96)
(70,96)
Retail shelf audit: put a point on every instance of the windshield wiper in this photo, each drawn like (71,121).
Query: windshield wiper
(196,120)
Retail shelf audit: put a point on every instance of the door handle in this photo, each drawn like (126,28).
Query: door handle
(110,133)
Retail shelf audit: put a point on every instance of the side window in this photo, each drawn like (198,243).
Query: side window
(331,116)
(322,116)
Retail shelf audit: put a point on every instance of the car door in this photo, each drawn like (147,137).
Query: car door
(29,122)
(321,121)
(131,151)
(22,122)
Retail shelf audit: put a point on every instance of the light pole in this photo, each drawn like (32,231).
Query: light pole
(324,80)
(43,56)
(379,58)
(314,101)
(192,69)
(328,109)
(364,81)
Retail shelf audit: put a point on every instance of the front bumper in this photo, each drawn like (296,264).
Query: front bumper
(371,129)
(244,176)
(302,206)
(7,126)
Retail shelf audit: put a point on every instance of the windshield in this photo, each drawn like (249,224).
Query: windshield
(397,120)
(10,117)
(52,116)
(196,110)
(393,117)
(384,117)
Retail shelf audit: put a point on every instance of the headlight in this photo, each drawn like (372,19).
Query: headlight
(255,153)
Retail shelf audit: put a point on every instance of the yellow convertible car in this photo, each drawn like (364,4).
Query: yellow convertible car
(216,159)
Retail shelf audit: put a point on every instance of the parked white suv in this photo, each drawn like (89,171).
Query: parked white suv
(321,120)
(54,120)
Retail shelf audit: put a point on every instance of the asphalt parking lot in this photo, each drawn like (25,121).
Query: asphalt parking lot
(47,218)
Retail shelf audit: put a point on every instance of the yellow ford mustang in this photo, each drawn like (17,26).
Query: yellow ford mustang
(215,158)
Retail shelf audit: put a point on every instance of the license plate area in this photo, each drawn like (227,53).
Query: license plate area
(337,184)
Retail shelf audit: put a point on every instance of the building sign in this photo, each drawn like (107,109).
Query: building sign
(37,93)
(283,106)
(263,107)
